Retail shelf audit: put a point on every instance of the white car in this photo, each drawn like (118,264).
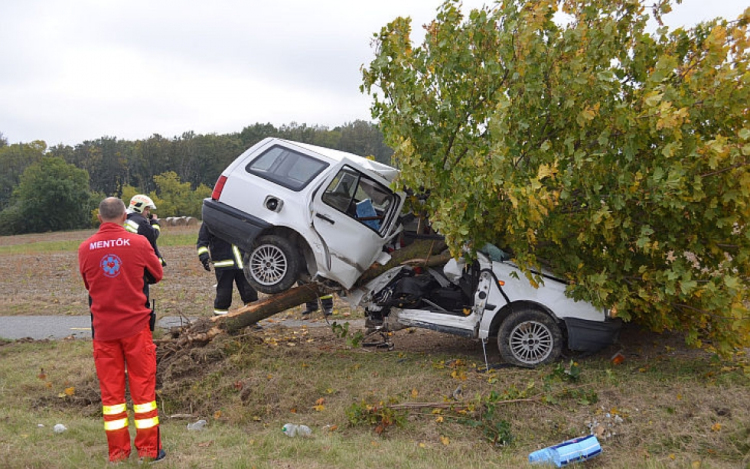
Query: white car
(487,298)
(303,212)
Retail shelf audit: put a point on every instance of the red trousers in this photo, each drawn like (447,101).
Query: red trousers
(135,357)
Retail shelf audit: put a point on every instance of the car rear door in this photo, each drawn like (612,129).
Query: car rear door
(355,213)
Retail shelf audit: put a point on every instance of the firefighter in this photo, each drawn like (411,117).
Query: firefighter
(227,261)
(311,306)
(142,221)
(117,267)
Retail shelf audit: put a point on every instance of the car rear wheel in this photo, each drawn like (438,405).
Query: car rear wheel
(529,338)
(272,266)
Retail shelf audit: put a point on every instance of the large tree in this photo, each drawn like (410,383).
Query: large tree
(14,159)
(54,195)
(567,133)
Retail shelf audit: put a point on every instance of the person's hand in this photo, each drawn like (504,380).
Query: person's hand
(205,261)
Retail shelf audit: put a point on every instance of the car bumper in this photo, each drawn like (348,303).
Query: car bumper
(592,336)
(232,225)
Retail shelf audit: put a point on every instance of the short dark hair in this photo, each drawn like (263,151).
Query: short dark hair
(111,208)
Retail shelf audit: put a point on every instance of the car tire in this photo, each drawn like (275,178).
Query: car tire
(272,266)
(529,338)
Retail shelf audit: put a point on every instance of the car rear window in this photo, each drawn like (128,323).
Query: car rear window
(286,167)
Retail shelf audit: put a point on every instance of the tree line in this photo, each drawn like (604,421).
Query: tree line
(58,188)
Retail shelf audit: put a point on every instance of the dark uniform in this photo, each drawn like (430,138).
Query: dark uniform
(137,223)
(227,261)
(311,306)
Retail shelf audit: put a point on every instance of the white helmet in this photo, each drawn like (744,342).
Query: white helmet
(140,202)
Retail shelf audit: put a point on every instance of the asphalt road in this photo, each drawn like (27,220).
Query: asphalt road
(55,327)
(79,327)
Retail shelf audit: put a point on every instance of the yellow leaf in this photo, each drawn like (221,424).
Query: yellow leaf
(439,419)
(445,440)
(217,415)
(70,391)
(672,456)
(422,445)
(414,393)
(319,408)
(437,411)
(545,171)
(716,427)
(695,464)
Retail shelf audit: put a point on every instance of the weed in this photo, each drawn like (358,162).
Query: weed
(342,331)
(377,415)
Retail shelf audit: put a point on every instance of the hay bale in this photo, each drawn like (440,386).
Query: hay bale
(191,221)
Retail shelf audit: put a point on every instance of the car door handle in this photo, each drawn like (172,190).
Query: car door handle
(324,217)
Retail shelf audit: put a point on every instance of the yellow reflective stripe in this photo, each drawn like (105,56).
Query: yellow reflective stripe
(221,311)
(202,250)
(146,423)
(131,226)
(115,424)
(237,256)
(113,409)
(156,227)
(143,408)
(226,263)
(326,297)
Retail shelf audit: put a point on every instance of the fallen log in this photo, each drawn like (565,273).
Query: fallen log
(424,252)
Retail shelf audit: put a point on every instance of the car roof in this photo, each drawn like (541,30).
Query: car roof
(388,172)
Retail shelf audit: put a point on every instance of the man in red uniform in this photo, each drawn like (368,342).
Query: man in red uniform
(117,267)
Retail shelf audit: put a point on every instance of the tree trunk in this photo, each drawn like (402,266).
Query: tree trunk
(425,252)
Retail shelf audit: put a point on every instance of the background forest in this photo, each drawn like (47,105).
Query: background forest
(57,188)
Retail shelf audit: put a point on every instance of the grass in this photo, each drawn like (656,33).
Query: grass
(664,407)
(667,413)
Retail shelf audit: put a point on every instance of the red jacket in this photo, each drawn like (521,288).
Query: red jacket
(115,265)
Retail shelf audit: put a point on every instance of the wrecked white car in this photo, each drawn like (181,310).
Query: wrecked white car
(489,297)
(303,212)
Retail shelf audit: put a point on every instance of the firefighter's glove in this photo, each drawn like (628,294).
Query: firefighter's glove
(205,261)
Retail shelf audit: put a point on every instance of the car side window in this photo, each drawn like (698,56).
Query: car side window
(286,167)
(361,198)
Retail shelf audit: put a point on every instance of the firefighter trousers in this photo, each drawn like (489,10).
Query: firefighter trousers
(225,280)
(135,358)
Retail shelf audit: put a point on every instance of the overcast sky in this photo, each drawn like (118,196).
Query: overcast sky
(76,70)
